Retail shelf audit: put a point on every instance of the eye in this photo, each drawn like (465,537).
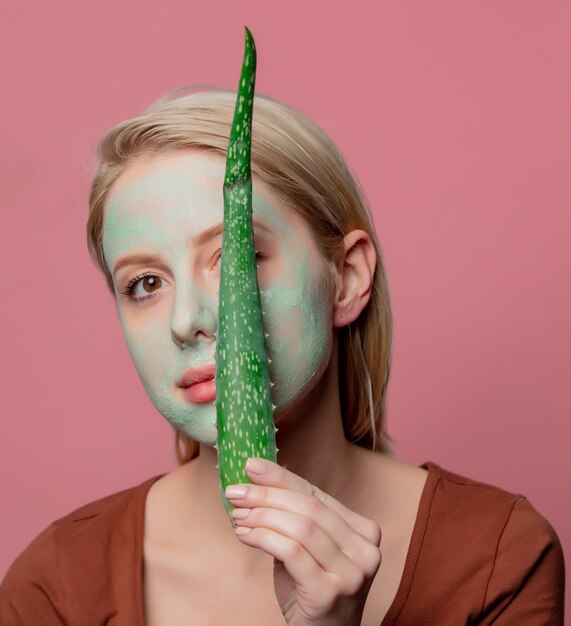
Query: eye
(218,255)
(143,287)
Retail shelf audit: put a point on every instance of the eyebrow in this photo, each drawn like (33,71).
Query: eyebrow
(135,259)
(216,231)
(202,238)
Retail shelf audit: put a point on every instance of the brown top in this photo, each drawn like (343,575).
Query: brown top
(478,555)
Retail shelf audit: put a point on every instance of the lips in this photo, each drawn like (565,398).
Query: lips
(197,384)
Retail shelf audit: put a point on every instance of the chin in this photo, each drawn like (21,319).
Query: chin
(197,422)
(206,434)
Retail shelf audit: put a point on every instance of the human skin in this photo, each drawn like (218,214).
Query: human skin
(157,209)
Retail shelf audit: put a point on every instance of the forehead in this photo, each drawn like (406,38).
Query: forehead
(164,176)
(184,188)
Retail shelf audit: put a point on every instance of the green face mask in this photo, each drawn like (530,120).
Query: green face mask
(156,212)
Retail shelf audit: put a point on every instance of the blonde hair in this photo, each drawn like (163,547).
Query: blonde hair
(302,166)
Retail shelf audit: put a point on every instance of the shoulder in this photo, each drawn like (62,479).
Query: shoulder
(67,559)
(98,511)
(105,522)
(470,506)
(459,495)
(456,497)
(495,541)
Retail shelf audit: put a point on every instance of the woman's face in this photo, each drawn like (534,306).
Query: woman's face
(162,247)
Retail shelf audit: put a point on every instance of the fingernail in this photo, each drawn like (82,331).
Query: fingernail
(255,466)
(242,530)
(240,513)
(235,493)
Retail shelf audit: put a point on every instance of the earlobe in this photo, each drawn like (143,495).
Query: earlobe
(356,269)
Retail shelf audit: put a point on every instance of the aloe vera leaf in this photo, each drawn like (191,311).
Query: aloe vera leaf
(244,409)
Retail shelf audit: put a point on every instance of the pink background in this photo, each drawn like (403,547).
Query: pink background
(455,117)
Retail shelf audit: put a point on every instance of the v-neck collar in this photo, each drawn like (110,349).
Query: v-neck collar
(416,540)
(137,565)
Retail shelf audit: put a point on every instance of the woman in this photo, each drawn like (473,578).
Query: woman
(345,534)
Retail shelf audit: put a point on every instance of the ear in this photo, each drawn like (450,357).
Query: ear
(355,270)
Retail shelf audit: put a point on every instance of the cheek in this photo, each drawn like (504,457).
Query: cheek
(148,344)
(139,317)
(298,321)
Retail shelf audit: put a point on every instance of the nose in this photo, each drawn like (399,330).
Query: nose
(194,318)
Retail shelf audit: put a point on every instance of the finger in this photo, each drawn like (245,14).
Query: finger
(351,544)
(321,586)
(303,530)
(304,570)
(265,472)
